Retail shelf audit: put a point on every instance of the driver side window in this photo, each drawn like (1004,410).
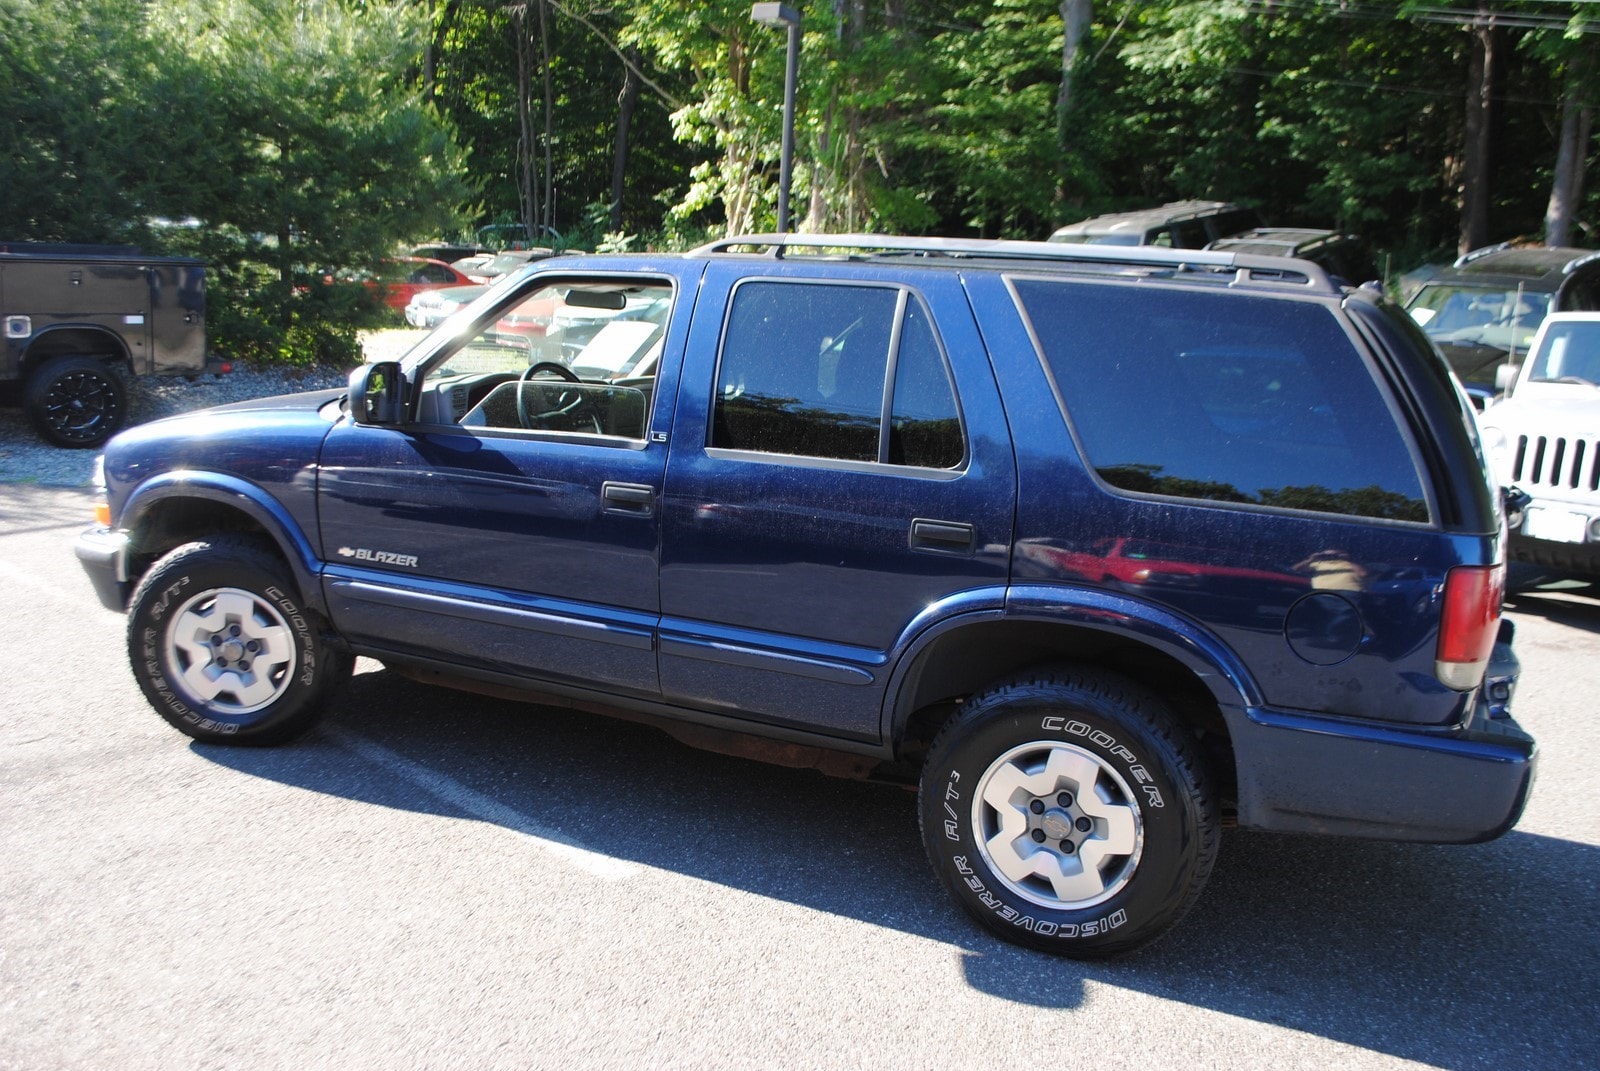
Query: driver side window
(573,357)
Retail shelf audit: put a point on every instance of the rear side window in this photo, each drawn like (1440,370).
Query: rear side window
(1235,221)
(813,370)
(1222,396)
(1190,234)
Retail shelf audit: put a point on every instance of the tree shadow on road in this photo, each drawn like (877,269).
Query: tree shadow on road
(1459,956)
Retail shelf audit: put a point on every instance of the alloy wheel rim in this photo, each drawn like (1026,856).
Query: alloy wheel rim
(79,405)
(1057,825)
(232,650)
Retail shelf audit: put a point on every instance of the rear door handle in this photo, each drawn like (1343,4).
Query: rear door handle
(942,535)
(634,499)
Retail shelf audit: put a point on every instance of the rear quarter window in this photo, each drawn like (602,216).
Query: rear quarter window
(1224,397)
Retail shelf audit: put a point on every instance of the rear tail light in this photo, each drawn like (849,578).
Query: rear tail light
(1469,625)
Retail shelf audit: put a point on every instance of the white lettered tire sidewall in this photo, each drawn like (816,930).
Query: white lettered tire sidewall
(1145,768)
(223,580)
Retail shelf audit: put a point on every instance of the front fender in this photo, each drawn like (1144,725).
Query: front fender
(234,493)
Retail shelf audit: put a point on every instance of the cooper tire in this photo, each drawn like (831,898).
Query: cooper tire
(1069,811)
(76,401)
(224,649)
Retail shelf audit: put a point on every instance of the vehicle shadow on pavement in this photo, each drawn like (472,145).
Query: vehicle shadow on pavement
(1458,956)
(1565,600)
(1451,955)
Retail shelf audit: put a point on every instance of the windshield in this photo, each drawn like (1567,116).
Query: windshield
(1570,353)
(1505,319)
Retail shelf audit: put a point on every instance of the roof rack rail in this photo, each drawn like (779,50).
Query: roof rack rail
(1577,262)
(1482,251)
(1275,269)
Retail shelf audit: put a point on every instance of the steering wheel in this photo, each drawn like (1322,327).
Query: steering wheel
(576,406)
(561,371)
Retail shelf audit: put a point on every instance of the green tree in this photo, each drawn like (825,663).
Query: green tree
(74,93)
(288,133)
(478,53)
(330,156)
(994,129)
(1570,55)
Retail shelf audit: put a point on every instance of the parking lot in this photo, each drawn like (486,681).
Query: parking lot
(441,880)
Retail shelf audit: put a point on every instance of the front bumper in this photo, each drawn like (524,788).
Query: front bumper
(429,318)
(1559,534)
(1306,773)
(103,553)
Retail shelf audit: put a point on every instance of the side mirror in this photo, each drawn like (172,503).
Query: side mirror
(378,395)
(1480,397)
(1516,502)
(1505,375)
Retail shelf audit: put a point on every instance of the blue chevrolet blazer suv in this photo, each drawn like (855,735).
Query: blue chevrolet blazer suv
(1102,549)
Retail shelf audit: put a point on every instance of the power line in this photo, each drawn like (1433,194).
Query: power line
(1301,77)
(1450,16)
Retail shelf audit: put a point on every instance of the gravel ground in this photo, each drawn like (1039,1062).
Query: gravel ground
(25,458)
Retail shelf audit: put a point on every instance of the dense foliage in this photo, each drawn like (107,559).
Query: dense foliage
(301,135)
(278,141)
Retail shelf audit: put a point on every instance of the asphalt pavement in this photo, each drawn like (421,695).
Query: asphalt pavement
(439,880)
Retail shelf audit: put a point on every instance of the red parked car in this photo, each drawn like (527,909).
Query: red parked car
(398,280)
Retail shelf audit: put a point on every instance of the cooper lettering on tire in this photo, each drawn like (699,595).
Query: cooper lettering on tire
(224,651)
(1069,811)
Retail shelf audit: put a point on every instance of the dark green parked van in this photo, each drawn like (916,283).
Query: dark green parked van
(77,320)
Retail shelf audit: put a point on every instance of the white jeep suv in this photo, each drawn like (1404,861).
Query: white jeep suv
(1544,438)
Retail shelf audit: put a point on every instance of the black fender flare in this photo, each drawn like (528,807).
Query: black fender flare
(1204,655)
(267,512)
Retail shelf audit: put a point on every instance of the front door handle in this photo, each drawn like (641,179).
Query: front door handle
(942,535)
(634,499)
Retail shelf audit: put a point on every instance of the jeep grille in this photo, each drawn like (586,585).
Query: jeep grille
(1556,461)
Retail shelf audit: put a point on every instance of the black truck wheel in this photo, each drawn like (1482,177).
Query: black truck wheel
(76,401)
(1069,812)
(224,649)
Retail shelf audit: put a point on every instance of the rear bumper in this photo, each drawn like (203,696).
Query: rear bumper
(1304,773)
(103,553)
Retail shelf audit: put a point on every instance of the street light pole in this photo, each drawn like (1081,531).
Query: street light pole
(782,15)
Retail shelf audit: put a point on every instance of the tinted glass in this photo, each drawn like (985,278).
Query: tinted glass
(803,369)
(925,429)
(1582,294)
(1235,221)
(1223,396)
(1190,234)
